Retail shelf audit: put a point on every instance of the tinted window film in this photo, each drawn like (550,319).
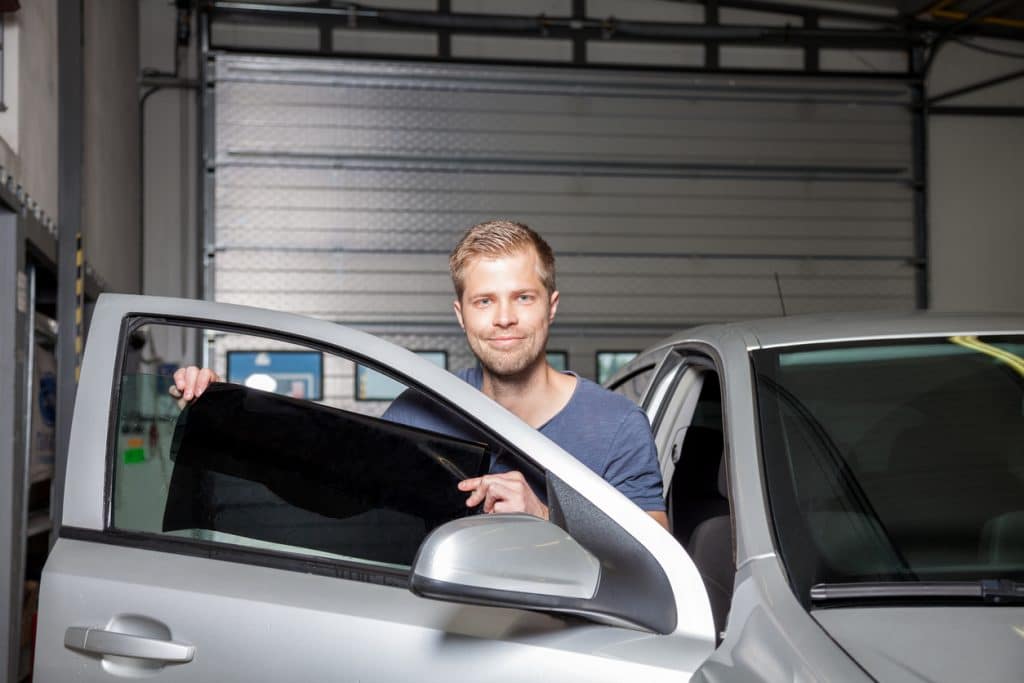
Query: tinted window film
(251,467)
(896,461)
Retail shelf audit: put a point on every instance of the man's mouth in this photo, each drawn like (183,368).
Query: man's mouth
(504,341)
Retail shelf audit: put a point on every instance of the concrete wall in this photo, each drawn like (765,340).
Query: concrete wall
(28,129)
(110,188)
(976,176)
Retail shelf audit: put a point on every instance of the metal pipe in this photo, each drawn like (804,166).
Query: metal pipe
(202,236)
(972,18)
(981,85)
(919,116)
(976,111)
(354,16)
(201,350)
(142,186)
(155,85)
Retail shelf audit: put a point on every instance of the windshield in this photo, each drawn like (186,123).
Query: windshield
(895,461)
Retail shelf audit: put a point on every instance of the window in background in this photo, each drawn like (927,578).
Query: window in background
(559,360)
(374,386)
(298,374)
(609,362)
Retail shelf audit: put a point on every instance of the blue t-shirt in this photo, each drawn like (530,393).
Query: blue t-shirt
(604,431)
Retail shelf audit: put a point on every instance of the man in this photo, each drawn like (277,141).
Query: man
(505,301)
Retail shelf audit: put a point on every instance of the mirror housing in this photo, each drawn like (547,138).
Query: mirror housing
(509,560)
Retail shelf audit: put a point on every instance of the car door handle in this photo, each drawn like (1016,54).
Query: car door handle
(103,642)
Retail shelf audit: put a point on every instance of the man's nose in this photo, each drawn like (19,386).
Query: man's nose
(505,315)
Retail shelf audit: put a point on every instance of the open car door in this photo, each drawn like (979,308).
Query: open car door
(269,530)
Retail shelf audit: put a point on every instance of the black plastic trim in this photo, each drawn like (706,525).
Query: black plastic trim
(633,584)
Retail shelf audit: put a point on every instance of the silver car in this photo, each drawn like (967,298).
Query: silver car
(846,497)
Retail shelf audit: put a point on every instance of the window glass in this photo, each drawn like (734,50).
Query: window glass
(291,373)
(633,387)
(609,362)
(896,461)
(559,360)
(376,386)
(244,466)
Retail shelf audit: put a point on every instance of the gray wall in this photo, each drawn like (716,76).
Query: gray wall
(976,183)
(28,129)
(110,155)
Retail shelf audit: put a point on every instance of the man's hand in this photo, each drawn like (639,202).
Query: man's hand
(190,383)
(503,492)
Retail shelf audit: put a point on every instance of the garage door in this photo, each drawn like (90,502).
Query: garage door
(341,186)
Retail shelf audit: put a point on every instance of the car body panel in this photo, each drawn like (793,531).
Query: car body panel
(770,636)
(923,644)
(258,623)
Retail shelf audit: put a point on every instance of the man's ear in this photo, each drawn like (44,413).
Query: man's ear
(553,306)
(457,305)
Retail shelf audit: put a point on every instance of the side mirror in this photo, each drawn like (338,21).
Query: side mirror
(511,560)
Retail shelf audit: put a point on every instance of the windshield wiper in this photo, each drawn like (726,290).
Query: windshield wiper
(996,591)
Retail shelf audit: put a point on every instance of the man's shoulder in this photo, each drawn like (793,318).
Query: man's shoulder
(596,396)
(472,376)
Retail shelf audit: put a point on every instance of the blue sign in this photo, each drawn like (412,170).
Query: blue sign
(298,374)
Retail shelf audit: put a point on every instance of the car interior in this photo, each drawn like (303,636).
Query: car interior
(698,496)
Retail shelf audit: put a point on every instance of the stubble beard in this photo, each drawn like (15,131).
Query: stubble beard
(508,366)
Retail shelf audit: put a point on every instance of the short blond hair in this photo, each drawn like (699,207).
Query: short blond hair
(494,239)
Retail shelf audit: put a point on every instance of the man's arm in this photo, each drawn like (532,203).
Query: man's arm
(632,466)
(660,517)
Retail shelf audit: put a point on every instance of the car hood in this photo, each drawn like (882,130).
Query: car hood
(916,644)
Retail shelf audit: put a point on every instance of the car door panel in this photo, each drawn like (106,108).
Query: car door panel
(262,624)
(250,621)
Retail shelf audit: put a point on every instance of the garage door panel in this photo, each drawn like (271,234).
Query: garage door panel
(341,186)
(650,146)
(663,99)
(333,118)
(278,174)
(361,203)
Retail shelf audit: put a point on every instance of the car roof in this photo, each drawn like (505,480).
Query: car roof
(839,327)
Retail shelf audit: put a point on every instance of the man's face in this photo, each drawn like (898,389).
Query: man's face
(506,312)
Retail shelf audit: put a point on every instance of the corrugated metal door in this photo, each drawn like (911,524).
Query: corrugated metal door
(341,186)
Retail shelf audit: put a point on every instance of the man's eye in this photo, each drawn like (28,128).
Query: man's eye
(526,298)
(483,302)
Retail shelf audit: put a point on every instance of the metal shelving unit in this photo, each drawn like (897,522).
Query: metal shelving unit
(30,469)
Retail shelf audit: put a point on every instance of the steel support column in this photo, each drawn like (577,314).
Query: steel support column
(919,114)
(69,199)
(13,314)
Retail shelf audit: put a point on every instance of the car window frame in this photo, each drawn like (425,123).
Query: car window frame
(349,569)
